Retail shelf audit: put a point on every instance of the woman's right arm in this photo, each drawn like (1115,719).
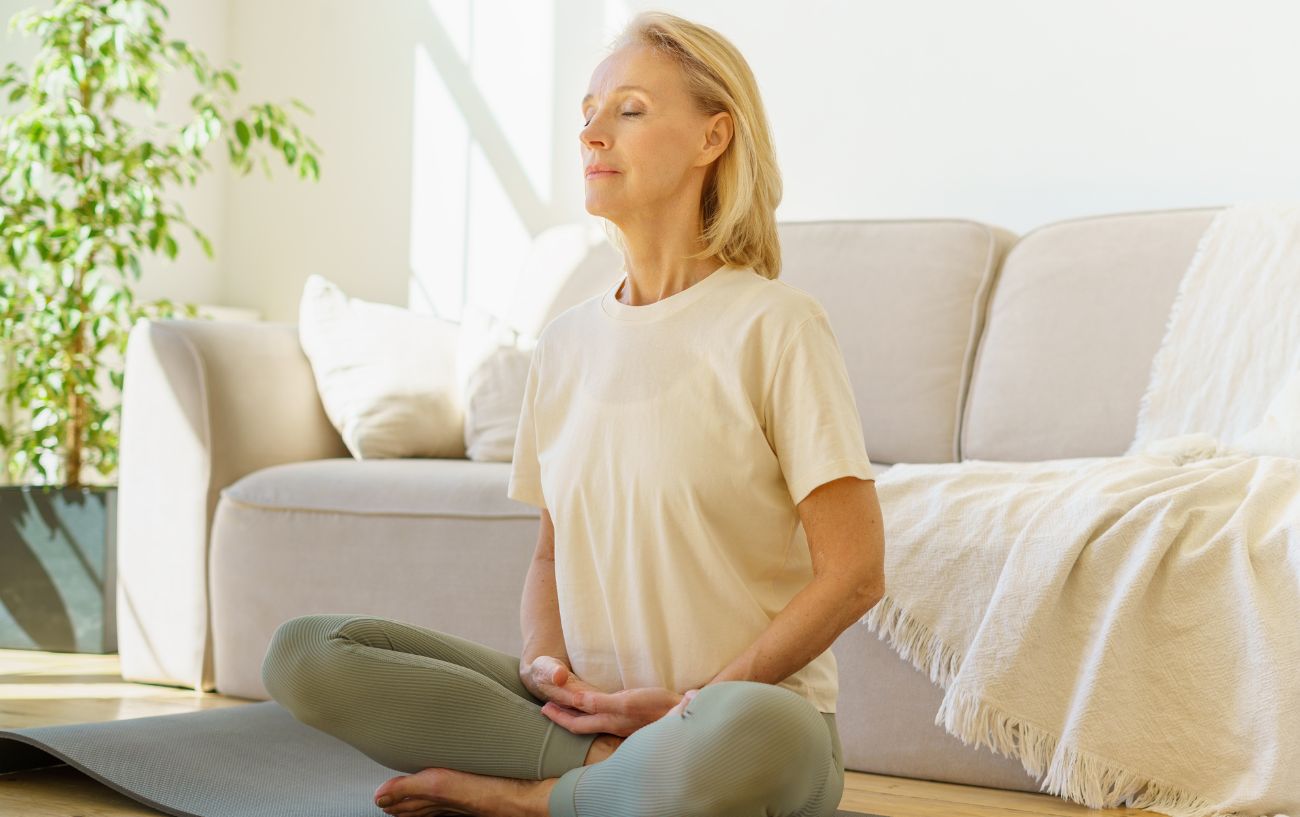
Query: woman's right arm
(539,610)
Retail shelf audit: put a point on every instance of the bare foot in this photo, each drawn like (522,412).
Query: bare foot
(438,791)
(602,747)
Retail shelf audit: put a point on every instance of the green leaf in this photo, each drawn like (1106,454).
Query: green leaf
(204,242)
(68,304)
(99,36)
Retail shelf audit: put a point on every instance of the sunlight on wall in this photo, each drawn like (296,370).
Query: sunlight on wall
(440,144)
(481,152)
(513,68)
(497,237)
(454,15)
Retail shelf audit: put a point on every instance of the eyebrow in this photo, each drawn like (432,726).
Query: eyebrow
(589,97)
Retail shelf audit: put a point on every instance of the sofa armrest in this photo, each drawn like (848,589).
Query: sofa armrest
(203,404)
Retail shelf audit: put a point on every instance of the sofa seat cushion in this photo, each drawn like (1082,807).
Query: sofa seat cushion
(382,487)
(387,487)
(433,542)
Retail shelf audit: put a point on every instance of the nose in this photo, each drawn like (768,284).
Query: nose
(589,137)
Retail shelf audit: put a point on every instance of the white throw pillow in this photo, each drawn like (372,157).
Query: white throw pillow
(1278,434)
(492,368)
(386,375)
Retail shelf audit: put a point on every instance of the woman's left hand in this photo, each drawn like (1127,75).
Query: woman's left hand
(618,713)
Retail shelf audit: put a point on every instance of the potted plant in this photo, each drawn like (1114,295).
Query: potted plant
(82,198)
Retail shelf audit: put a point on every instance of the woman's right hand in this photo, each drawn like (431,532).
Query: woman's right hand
(550,679)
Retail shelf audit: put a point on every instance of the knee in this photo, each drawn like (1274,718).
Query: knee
(291,642)
(775,739)
(764,712)
(777,717)
(293,659)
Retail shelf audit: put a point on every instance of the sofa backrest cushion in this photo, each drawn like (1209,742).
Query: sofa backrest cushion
(1077,312)
(906,300)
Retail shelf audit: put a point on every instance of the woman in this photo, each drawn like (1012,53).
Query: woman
(675,432)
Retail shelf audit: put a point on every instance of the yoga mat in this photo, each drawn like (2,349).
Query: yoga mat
(254,760)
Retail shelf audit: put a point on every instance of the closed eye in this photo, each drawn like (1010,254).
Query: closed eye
(625,113)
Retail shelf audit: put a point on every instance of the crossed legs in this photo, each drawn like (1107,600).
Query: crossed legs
(412,698)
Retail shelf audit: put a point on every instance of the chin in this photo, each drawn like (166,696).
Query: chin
(601,211)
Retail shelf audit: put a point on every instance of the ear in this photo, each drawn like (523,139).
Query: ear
(717,135)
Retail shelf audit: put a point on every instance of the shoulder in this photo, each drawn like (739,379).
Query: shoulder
(779,308)
(796,305)
(573,322)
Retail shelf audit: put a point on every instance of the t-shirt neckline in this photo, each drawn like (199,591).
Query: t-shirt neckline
(663,307)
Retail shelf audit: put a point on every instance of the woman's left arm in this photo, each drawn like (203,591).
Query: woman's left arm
(842,520)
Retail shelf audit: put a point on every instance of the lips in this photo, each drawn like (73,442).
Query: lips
(600,170)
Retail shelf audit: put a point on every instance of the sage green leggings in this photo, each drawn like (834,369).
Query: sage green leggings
(412,698)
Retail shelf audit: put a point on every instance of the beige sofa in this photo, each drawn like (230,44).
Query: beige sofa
(239,506)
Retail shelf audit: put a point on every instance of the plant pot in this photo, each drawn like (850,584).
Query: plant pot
(58,568)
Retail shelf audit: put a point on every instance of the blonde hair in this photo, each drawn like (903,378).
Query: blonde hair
(743,187)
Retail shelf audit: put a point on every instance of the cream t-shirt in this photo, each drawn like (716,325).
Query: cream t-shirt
(671,443)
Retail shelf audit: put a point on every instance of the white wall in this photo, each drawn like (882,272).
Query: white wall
(441,140)
(449,127)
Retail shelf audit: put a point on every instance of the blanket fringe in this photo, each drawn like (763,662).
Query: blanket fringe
(913,641)
(1073,774)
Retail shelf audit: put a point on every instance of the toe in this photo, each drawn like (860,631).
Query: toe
(389,788)
(426,784)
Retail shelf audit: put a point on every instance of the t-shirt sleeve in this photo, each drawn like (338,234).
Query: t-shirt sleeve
(811,415)
(525,471)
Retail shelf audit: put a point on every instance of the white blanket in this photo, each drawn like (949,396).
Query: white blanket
(1232,340)
(1128,627)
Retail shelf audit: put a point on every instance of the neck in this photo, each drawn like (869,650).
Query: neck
(646,288)
(659,243)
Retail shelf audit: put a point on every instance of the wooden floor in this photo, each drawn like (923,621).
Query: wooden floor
(42,688)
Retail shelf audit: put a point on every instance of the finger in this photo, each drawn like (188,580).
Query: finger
(679,709)
(582,724)
(550,669)
(545,668)
(585,697)
(555,706)
(561,684)
(560,675)
(563,696)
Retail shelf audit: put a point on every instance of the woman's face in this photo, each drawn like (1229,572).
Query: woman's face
(652,135)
